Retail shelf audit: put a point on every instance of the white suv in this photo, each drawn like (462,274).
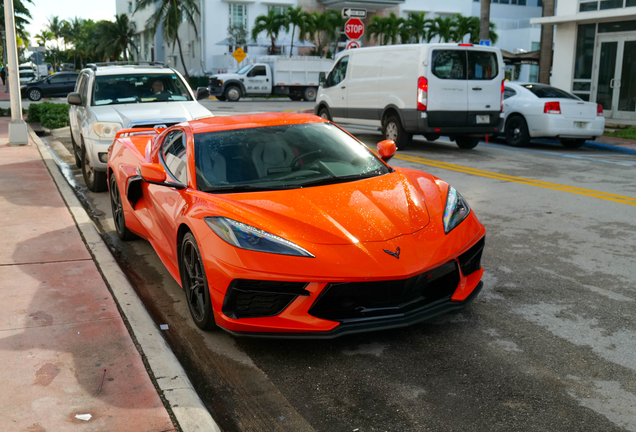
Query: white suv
(111,97)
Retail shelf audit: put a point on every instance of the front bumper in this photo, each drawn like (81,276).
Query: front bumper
(97,152)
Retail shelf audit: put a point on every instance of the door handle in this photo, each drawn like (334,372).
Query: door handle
(343,87)
(476,88)
(612,83)
(617,83)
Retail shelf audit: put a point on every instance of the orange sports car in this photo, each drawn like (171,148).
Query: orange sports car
(285,225)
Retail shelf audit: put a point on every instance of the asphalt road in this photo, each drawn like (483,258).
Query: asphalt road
(549,345)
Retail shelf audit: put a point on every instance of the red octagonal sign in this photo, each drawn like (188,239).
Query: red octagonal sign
(354,28)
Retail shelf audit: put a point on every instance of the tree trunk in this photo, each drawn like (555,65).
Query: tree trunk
(273,50)
(545,46)
(291,49)
(185,69)
(484,25)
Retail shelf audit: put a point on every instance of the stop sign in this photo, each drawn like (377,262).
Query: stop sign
(354,28)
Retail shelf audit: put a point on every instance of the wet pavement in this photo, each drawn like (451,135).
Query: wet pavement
(548,345)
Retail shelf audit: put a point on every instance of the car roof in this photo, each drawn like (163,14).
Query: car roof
(131,70)
(248,121)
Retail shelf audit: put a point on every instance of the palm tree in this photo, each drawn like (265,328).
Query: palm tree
(416,26)
(378,29)
(296,17)
(116,37)
(169,14)
(323,28)
(22,16)
(43,37)
(272,24)
(442,27)
(463,26)
(55,27)
(492,31)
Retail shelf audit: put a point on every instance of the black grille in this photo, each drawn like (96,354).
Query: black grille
(152,125)
(254,298)
(214,82)
(470,261)
(367,300)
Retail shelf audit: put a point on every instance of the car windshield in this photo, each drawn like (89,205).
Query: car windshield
(27,74)
(544,91)
(244,69)
(280,157)
(139,88)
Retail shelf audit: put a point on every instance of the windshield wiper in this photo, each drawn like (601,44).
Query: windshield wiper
(338,179)
(246,188)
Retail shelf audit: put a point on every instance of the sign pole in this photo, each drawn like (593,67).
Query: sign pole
(18,133)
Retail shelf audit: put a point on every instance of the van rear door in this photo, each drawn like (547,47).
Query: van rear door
(447,101)
(484,85)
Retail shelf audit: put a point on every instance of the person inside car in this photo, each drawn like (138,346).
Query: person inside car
(158,90)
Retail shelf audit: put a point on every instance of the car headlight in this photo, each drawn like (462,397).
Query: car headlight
(106,129)
(247,237)
(455,211)
(22,87)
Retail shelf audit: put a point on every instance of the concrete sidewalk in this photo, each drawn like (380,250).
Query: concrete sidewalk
(63,343)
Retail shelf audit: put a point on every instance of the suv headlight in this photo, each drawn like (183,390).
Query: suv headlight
(456,209)
(247,237)
(106,129)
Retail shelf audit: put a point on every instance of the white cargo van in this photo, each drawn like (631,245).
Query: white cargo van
(454,90)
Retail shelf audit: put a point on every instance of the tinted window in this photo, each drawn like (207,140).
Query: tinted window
(58,79)
(257,71)
(544,91)
(286,156)
(174,155)
(482,65)
(139,88)
(449,64)
(339,72)
(508,92)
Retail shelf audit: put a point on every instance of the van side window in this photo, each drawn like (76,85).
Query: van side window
(482,65)
(339,72)
(449,64)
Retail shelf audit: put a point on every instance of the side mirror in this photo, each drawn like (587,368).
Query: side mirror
(386,149)
(152,173)
(74,99)
(203,93)
(322,79)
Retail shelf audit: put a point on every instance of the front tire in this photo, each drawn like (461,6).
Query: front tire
(35,94)
(324,113)
(573,143)
(516,132)
(310,94)
(393,130)
(467,143)
(221,98)
(233,93)
(118,211)
(195,284)
(95,180)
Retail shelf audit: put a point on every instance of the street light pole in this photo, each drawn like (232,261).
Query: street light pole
(18,134)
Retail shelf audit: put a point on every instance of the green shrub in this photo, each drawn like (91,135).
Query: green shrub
(50,115)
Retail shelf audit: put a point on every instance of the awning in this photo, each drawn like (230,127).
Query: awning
(529,58)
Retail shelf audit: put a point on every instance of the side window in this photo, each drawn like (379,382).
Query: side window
(57,79)
(482,65)
(508,92)
(174,155)
(80,84)
(257,71)
(339,72)
(449,64)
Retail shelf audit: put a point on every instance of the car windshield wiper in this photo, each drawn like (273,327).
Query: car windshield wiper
(246,188)
(338,179)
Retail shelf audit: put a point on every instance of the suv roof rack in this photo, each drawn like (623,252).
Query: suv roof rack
(94,66)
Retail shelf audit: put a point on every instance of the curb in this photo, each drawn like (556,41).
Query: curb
(177,391)
(608,147)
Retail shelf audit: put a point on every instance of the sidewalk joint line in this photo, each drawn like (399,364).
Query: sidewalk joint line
(46,262)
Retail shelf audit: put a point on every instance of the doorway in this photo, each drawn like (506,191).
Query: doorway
(615,76)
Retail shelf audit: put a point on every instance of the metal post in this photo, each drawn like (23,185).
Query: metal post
(18,133)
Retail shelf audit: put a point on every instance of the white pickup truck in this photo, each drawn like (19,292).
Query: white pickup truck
(296,77)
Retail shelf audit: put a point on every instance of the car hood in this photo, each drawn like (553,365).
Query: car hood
(150,112)
(227,76)
(369,210)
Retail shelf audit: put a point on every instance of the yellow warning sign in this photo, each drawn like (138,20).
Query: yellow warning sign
(239,54)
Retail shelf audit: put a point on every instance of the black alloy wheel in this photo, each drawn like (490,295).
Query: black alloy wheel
(572,143)
(118,211)
(35,94)
(516,132)
(393,130)
(195,284)
(95,180)
(467,142)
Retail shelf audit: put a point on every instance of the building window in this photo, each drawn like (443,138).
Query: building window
(584,51)
(130,9)
(238,14)
(588,6)
(621,26)
(611,4)
(534,69)
(279,10)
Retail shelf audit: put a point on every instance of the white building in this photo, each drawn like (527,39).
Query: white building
(595,53)
(202,54)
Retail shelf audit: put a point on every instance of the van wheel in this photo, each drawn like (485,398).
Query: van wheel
(572,143)
(393,130)
(233,93)
(324,113)
(295,97)
(516,132)
(466,142)
(309,94)
(430,137)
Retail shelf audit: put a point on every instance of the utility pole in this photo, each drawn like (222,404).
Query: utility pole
(484,25)
(18,134)
(545,46)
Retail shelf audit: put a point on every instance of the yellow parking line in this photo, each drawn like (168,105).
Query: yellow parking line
(521,180)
